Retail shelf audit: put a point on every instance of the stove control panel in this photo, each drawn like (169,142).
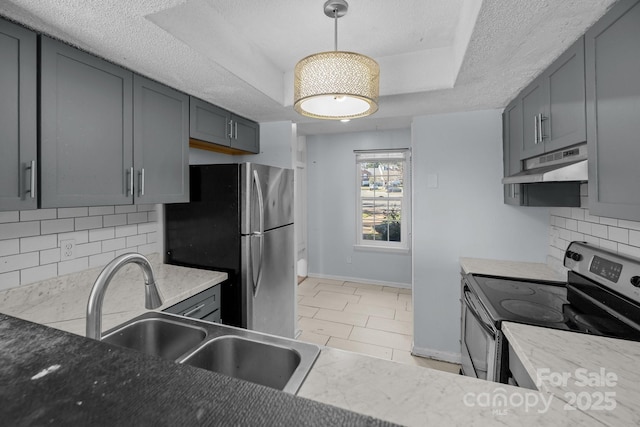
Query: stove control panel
(618,272)
(604,268)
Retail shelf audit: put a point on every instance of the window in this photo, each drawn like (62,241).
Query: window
(383,196)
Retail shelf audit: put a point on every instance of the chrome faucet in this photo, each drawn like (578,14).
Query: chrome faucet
(152,298)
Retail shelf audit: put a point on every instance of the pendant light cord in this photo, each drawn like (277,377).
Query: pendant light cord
(335,29)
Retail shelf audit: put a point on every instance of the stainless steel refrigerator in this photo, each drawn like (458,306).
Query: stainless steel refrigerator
(240,220)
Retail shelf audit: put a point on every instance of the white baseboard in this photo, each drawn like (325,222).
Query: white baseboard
(360,280)
(445,356)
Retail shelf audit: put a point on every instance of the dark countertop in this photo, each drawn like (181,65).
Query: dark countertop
(48,376)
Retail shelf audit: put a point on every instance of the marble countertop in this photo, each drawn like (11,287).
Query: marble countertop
(518,269)
(562,362)
(416,396)
(61,302)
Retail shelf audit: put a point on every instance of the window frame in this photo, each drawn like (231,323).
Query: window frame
(403,155)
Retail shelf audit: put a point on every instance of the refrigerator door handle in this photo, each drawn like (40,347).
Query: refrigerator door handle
(259,233)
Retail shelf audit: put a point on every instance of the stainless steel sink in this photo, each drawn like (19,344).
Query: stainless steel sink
(272,361)
(267,364)
(167,339)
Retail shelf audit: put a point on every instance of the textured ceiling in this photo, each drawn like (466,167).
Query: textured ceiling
(435,56)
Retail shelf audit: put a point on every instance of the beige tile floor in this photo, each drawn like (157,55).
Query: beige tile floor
(360,317)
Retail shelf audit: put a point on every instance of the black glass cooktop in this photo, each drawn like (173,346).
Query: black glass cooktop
(549,304)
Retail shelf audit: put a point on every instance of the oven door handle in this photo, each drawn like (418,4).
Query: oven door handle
(474,311)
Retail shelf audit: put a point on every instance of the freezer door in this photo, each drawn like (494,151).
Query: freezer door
(267,197)
(269,281)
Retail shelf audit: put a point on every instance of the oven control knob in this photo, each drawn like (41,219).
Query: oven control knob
(576,256)
(635,281)
(568,254)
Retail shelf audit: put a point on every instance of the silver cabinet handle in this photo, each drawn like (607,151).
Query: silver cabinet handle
(540,133)
(130,181)
(141,190)
(32,184)
(193,310)
(230,129)
(235,127)
(535,130)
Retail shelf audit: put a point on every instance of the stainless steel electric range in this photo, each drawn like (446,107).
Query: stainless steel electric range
(601,297)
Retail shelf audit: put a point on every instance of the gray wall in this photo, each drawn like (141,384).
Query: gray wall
(332,209)
(463,217)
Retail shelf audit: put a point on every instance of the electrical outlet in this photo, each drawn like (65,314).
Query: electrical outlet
(67,249)
(348,260)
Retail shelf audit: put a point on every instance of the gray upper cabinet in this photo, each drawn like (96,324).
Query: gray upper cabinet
(161,142)
(86,125)
(512,141)
(553,105)
(209,123)
(246,134)
(214,128)
(566,103)
(18,117)
(612,55)
(533,111)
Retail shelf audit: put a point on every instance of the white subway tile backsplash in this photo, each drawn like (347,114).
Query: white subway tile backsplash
(609,245)
(57,226)
(139,239)
(9,247)
(126,209)
(30,240)
(584,227)
(633,251)
(38,243)
(608,221)
(49,256)
(14,230)
(102,234)
(77,236)
(73,266)
(148,227)
(35,274)
(126,230)
(88,222)
(136,218)
(101,259)
(87,249)
(114,244)
(599,230)
(618,234)
(72,212)
(38,214)
(9,280)
(113,220)
(9,216)
(18,262)
(101,210)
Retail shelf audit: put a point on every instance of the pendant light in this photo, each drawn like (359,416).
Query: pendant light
(336,85)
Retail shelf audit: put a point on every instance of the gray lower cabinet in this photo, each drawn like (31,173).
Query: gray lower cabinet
(214,128)
(553,105)
(18,117)
(204,305)
(86,125)
(161,142)
(512,141)
(612,55)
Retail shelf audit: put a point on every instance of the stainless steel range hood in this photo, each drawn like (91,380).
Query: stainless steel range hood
(560,166)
